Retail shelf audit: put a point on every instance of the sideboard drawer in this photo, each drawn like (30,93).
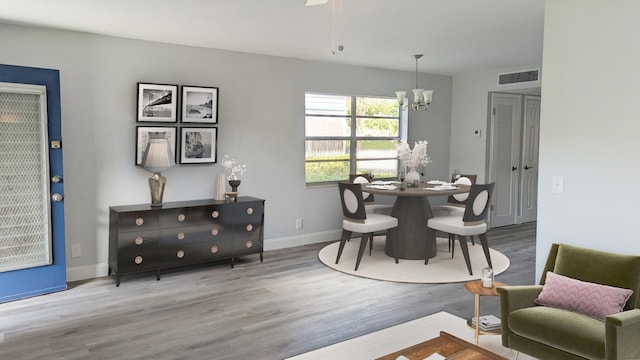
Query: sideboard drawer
(249,210)
(191,216)
(176,254)
(194,234)
(139,259)
(138,221)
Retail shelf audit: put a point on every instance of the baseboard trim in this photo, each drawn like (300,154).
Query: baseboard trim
(92,271)
(85,272)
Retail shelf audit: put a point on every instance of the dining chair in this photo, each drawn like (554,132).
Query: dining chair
(370,206)
(456,204)
(357,220)
(471,223)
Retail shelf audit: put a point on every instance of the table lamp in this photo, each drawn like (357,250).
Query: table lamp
(156,158)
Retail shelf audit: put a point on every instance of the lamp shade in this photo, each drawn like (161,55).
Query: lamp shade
(158,156)
(428,96)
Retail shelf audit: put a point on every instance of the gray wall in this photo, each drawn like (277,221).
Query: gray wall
(261,123)
(470,112)
(590,121)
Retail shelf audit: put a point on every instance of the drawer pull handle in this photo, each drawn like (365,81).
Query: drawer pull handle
(215,214)
(215,231)
(139,221)
(138,260)
(214,249)
(180,236)
(181,217)
(139,240)
(249,227)
(249,211)
(180,254)
(249,244)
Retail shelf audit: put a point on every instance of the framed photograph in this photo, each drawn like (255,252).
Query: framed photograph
(199,104)
(143,134)
(198,145)
(157,103)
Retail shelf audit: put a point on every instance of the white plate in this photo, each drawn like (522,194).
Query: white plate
(442,187)
(382,187)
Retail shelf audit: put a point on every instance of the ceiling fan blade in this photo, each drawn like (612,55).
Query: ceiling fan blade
(315,2)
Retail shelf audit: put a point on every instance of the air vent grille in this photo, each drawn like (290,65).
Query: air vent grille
(518,77)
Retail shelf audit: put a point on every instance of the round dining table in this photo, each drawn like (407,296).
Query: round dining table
(411,208)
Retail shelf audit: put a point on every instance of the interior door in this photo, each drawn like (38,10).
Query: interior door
(505,125)
(32,256)
(530,141)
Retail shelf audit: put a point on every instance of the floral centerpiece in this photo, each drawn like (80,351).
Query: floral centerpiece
(413,159)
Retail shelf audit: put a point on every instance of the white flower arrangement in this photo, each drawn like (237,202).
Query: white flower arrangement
(413,158)
(233,169)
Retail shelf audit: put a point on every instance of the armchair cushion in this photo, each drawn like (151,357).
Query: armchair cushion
(571,332)
(594,300)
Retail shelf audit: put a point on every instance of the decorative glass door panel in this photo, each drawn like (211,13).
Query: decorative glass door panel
(25,228)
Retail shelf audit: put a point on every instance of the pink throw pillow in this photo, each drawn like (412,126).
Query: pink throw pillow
(590,299)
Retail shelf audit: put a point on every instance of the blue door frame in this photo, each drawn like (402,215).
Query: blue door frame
(19,284)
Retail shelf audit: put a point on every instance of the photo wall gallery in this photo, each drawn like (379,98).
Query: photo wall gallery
(197,140)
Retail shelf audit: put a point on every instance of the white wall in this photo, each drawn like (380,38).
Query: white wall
(261,119)
(590,121)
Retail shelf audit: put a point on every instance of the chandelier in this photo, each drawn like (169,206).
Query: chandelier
(421,97)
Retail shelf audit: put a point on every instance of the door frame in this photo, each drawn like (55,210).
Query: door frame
(19,284)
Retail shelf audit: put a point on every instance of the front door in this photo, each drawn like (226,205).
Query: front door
(32,256)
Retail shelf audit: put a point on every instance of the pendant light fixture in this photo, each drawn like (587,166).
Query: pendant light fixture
(421,97)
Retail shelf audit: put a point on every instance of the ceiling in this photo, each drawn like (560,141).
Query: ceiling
(454,35)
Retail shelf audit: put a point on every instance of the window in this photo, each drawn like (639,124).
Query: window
(348,135)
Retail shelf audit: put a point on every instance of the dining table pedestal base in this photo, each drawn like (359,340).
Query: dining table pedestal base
(411,212)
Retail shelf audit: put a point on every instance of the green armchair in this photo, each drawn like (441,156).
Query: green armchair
(551,333)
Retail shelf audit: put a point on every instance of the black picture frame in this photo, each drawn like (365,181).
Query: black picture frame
(199,104)
(157,103)
(142,139)
(198,145)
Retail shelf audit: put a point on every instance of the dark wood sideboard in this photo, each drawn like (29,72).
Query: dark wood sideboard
(145,238)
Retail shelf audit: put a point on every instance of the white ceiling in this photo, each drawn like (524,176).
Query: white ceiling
(454,35)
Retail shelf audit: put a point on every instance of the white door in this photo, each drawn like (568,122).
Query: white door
(505,144)
(530,140)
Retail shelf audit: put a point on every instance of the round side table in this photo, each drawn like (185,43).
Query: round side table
(478,290)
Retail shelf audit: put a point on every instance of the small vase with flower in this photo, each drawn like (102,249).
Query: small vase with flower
(233,171)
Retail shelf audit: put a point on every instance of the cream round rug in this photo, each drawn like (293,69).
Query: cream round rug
(441,269)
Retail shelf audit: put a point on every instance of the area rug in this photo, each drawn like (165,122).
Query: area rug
(386,341)
(441,269)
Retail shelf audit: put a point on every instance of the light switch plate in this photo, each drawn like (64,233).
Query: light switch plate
(557,184)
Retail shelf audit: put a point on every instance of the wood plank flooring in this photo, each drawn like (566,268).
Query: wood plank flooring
(287,305)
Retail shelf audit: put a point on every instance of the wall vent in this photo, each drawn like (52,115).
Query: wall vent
(519,77)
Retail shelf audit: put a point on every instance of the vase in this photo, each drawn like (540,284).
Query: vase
(234,185)
(220,188)
(412,176)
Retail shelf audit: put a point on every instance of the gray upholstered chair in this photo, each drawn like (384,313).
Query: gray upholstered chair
(357,220)
(556,333)
(471,223)
(369,204)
